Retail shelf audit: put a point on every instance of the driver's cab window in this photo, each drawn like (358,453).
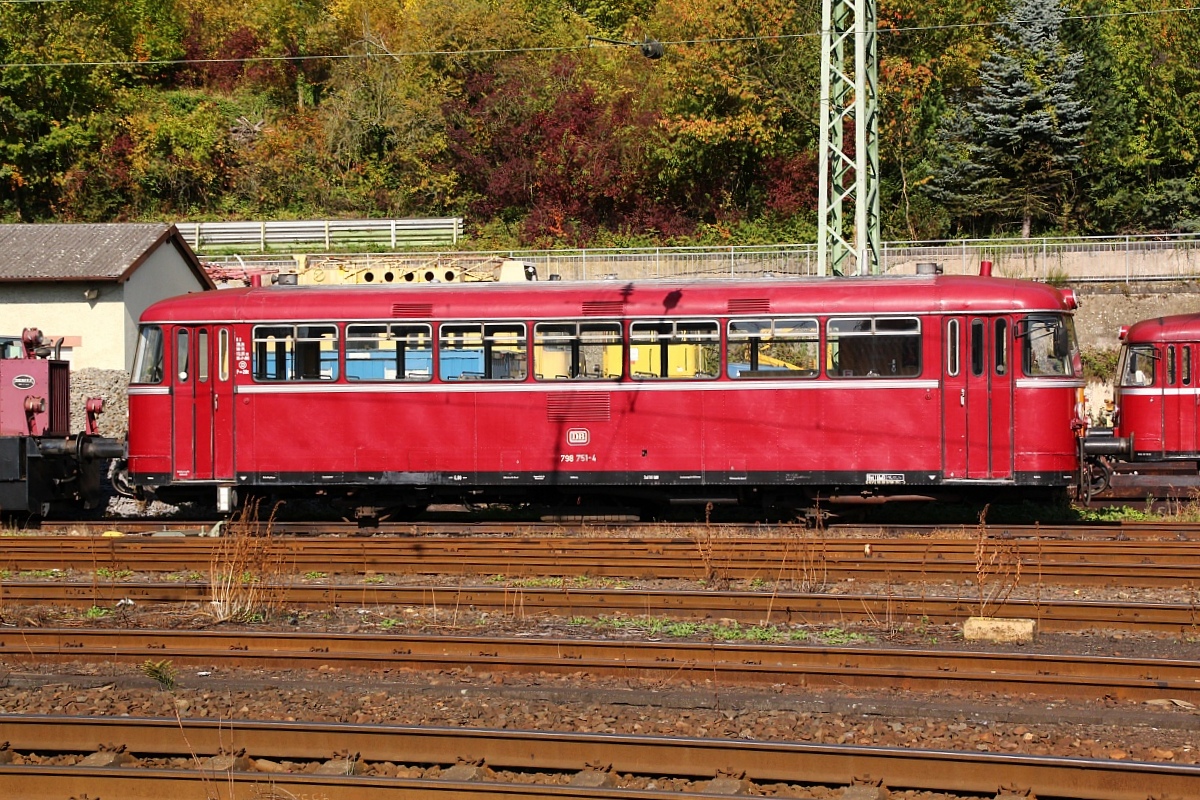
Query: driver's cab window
(1138,365)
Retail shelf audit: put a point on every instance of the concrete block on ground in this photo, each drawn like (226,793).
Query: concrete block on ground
(995,629)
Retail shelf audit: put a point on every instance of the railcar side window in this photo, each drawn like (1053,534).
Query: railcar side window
(675,349)
(202,355)
(475,351)
(874,347)
(181,356)
(1185,365)
(223,354)
(1048,345)
(148,361)
(977,354)
(577,351)
(295,352)
(1170,365)
(389,352)
(1001,343)
(952,349)
(773,348)
(1138,365)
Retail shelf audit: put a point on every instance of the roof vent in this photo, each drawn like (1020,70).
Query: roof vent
(412,310)
(928,268)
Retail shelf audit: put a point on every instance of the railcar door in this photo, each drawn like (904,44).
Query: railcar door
(1179,401)
(977,398)
(193,390)
(222,404)
(183,402)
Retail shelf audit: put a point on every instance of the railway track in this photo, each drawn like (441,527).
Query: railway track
(517,764)
(585,527)
(654,663)
(812,562)
(753,608)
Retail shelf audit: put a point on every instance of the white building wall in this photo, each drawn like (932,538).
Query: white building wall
(93,328)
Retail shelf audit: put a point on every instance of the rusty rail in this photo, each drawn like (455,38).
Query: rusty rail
(1090,677)
(930,770)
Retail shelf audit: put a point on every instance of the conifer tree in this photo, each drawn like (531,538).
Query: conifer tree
(1013,152)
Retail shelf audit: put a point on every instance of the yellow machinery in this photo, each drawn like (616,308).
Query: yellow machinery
(399,271)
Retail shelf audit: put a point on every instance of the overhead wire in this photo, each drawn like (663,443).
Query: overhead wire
(555,49)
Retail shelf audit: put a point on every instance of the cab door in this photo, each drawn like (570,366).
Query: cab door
(954,399)
(193,396)
(977,399)
(183,404)
(222,404)
(1179,402)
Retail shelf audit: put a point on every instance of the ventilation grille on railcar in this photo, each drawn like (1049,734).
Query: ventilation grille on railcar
(603,308)
(410,310)
(578,407)
(749,305)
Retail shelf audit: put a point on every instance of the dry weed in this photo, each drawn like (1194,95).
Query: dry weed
(246,568)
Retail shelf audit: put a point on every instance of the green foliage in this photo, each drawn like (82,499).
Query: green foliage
(97,612)
(161,672)
(1099,363)
(500,113)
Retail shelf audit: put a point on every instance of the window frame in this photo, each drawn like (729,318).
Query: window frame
(487,346)
(755,343)
(577,344)
(399,332)
(835,337)
(288,352)
(668,338)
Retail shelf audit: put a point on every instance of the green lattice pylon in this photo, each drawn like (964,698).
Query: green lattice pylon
(849,101)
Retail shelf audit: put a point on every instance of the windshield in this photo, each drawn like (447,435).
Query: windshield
(1049,346)
(148,361)
(1136,367)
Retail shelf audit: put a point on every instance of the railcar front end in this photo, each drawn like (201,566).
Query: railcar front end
(1156,398)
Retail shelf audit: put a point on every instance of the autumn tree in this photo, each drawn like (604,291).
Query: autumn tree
(1143,152)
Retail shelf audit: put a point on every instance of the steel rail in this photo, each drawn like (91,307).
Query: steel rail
(1091,677)
(695,758)
(748,607)
(599,528)
(1162,564)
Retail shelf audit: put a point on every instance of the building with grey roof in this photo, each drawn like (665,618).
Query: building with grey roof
(87,284)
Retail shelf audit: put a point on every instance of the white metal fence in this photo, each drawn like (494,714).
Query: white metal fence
(392,233)
(1117,258)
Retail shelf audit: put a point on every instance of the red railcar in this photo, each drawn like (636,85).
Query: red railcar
(1156,397)
(755,392)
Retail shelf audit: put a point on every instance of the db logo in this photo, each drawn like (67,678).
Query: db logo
(578,436)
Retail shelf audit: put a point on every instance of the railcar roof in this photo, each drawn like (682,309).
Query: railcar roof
(649,298)
(1174,328)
